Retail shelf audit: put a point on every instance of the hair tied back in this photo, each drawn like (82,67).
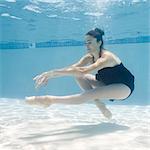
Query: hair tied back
(99,31)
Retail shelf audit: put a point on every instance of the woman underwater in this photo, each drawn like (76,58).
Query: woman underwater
(112,80)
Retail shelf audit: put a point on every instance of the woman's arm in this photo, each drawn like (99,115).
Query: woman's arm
(83,61)
(71,70)
(99,64)
(80,71)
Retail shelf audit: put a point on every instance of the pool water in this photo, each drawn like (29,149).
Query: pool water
(40,35)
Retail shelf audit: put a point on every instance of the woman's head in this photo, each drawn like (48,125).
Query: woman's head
(94,39)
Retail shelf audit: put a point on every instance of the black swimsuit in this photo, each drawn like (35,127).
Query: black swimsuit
(116,74)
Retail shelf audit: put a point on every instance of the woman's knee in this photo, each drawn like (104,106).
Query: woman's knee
(85,78)
(89,77)
(80,79)
(83,83)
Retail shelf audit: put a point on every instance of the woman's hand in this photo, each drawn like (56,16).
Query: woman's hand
(42,79)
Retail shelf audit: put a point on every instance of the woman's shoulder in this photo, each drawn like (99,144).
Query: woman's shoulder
(111,55)
(107,52)
(87,57)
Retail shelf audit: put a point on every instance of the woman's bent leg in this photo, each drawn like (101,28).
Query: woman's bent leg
(88,82)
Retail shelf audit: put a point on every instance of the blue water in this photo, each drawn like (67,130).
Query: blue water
(40,35)
(37,36)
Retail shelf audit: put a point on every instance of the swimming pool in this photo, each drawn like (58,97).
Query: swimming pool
(45,27)
(40,35)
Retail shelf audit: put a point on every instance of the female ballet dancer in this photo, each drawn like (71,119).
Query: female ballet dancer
(112,80)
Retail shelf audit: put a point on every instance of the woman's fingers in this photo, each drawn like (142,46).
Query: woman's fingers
(36,86)
(40,82)
(36,77)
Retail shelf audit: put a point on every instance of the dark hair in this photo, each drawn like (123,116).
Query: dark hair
(98,34)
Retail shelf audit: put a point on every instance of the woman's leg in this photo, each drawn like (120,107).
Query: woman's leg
(88,82)
(113,91)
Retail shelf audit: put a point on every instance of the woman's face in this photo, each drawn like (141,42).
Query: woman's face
(92,44)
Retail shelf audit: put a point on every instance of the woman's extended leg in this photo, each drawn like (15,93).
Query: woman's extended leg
(88,82)
(113,91)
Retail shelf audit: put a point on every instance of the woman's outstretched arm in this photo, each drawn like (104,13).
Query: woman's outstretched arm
(71,70)
(78,70)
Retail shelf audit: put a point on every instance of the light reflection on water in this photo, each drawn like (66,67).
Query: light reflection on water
(71,19)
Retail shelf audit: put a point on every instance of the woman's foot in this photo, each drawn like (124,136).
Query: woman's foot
(105,111)
(44,101)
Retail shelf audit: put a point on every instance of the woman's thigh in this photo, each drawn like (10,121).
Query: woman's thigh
(112,91)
